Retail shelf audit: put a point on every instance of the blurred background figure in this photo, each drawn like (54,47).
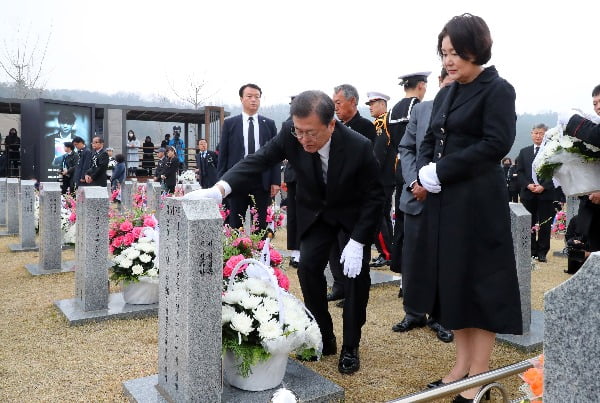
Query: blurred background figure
(148,156)
(133,153)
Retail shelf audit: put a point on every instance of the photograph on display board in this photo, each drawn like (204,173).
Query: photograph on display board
(62,123)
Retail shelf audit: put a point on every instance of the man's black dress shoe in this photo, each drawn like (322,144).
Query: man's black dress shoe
(442,333)
(294,263)
(340,303)
(349,361)
(409,323)
(542,258)
(379,262)
(335,295)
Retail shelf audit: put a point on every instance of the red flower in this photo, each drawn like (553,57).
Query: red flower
(282,279)
(128,239)
(111,233)
(149,221)
(126,226)
(231,263)
(276,258)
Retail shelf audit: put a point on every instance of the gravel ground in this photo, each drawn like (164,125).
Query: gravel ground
(42,359)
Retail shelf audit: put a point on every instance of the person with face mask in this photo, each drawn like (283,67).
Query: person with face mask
(133,153)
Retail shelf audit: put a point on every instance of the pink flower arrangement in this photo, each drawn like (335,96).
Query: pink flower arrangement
(275,216)
(127,228)
(560,222)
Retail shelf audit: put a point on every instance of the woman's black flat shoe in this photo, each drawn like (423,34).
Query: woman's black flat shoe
(439,382)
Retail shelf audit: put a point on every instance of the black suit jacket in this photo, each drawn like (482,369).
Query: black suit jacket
(207,168)
(524,161)
(232,149)
(354,194)
(362,126)
(98,167)
(84,163)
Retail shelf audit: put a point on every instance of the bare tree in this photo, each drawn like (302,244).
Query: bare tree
(193,91)
(23,64)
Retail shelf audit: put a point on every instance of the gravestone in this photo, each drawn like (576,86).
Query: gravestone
(572,205)
(189,340)
(2,202)
(154,197)
(26,218)
(571,339)
(92,300)
(533,321)
(12,200)
(127,195)
(50,225)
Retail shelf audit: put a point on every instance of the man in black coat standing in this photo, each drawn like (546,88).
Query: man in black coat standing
(345,99)
(241,136)
(84,162)
(338,191)
(537,195)
(68,165)
(96,174)
(206,165)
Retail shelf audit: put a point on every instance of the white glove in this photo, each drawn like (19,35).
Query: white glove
(210,193)
(565,116)
(352,256)
(429,179)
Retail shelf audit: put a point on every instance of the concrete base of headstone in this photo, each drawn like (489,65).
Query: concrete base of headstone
(308,385)
(20,248)
(117,309)
(532,340)
(35,270)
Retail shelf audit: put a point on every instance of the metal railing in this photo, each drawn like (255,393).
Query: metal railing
(487,378)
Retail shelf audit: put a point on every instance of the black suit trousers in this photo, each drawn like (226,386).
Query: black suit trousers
(292,222)
(239,204)
(398,238)
(384,235)
(542,212)
(315,246)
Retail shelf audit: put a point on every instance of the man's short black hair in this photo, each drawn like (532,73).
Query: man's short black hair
(250,85)
(78,140)
(319,102)
(68,144)
(596,91)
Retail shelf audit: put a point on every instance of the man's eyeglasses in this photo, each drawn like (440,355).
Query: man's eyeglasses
(309,134)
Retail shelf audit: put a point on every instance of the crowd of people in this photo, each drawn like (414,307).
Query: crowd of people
(442,159)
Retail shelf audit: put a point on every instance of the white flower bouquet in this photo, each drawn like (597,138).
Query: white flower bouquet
(259,318)
(574,163)
(188,176)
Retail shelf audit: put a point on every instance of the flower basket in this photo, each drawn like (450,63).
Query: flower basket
(262,324)
(265,374)
(142,292)
(578,176)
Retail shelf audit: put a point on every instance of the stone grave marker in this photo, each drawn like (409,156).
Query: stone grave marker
(190,187)
(154,198)
(572,205)
(127,195)
(533,321)
(3,202)
(189,338)
(26,215)
(12,216)
(571,338)
(50,225)
(92,300)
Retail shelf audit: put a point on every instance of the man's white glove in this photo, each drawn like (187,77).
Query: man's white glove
(352,256)
(565,116)
(429,179)
(210,193)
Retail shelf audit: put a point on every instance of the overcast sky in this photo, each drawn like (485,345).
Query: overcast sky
(546,49)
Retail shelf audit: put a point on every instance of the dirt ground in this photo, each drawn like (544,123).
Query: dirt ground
(43,359)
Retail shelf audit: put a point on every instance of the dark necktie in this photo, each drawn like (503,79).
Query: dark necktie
(319,172)
(251,135)
(536,149)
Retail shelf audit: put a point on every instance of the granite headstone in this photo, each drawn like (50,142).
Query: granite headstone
(127,195)
(189,335)
(26,217)
(91,248)
(12,216)
(2,201)
(571,337)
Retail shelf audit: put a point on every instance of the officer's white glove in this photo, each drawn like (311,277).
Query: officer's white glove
(210,193)
(565,116)
(352,256)
(429,179)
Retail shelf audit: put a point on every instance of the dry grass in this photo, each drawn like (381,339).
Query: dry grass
(42,359)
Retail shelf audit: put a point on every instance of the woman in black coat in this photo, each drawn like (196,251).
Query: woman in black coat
(470,258)
(148,156)
(169,174)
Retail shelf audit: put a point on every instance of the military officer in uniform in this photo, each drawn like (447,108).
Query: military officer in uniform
(415,85)
(386,156)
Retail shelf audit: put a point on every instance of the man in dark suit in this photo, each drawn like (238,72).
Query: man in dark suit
(338,191)
(206,165)
(243,135)
(345,99)
(537,195)
(68,165)
(84,162)
(96,174)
